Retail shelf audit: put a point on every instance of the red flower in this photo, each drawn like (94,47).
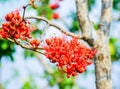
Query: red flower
(55,16)
(9,16)
(3,34)
(14,27)
(54,6)
(35,43)
(70,55)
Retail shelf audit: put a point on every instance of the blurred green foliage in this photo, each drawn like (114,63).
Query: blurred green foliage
(90,4)
(43,9)
(59,78)
(74,27)
(7,49)
(3,1)
(28,53)
(37,33)
(114,49)
(116,5)
(30,83)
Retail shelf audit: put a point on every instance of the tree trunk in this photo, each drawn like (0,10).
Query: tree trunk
(103,62)
(100,40)
(103,59)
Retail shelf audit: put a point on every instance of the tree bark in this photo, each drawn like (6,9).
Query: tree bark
(100,40)
(103,59)
(103,62)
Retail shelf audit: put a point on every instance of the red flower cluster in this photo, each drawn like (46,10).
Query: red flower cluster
(55,16)
(70,55)
(54,6)
(14,27)
(35,43)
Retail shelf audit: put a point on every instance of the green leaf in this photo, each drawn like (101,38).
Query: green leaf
(75,25)
(52,82)
(37,33)
(68,87)
(4,46)
(11,57)
(45,11)
(90,4)
(6,49)
(96,26)
(45,1)
(112,49)
(116,5)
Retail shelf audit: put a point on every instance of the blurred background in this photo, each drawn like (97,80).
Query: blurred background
(24,69)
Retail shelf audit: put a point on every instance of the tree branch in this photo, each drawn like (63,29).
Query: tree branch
(85,24)
(26,46)
(54,25)
(106,16)
(48,69)
(44,31)
(24,10)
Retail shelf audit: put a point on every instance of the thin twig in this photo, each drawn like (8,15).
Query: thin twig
(38,51)
(26,42)
(40,48)
(24,10)
(44,31)
(26,47)
(10,40)
(54,25)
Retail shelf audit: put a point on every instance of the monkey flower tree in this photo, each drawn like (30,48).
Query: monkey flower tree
(70,54)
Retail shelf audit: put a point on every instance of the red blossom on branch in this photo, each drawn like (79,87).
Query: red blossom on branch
(71,56)
(35,43)
(15,27)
